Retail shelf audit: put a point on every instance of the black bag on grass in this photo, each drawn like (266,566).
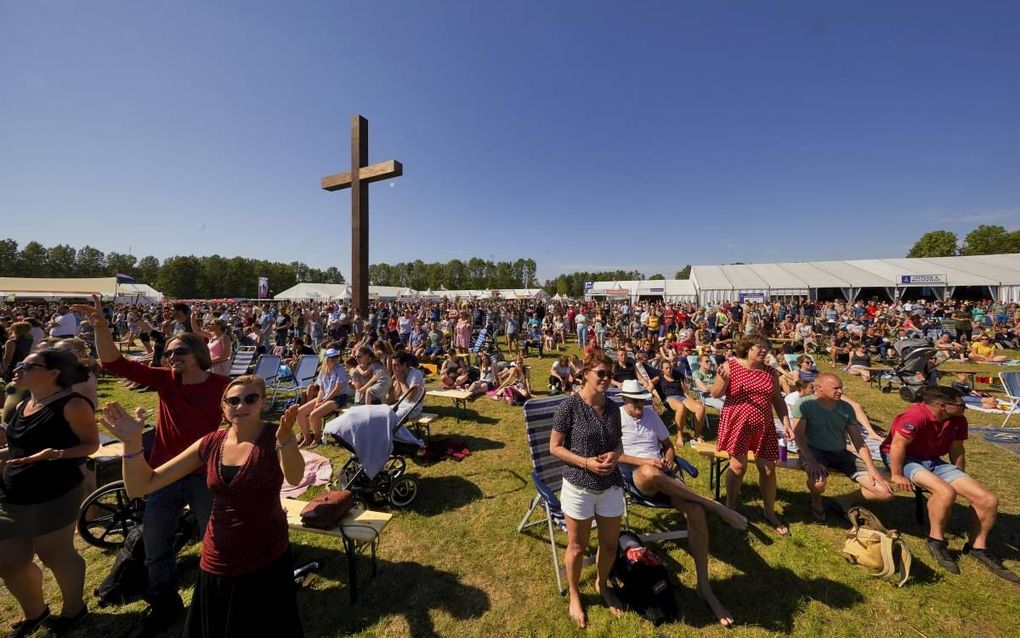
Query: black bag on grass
(643,581)
(128,577)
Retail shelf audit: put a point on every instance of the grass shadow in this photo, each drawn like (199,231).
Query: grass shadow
(438,494)
(467,414)
(406,589)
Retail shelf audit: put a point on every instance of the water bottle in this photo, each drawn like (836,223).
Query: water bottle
(782,449)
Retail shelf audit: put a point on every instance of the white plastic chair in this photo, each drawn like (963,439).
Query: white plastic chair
(1011,384)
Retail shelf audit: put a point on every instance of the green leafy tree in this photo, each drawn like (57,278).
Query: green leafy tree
(91,262)
(121,263)
(657,276)
(61,260)
(33,261)
(684,273)
(180,277)
(937,243)
(334,276)
(148,270)
(8,258)
(989,240)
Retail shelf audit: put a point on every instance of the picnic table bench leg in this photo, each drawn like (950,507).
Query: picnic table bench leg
(352,567)
(460,405)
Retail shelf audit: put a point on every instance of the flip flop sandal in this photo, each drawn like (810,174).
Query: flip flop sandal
(780,526)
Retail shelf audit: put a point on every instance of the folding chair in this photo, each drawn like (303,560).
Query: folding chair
(304,374)
(268,367)
(547,476)
(659,501)
(241,361)
(1011,384)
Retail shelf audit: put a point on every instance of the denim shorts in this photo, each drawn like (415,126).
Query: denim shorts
(941,468)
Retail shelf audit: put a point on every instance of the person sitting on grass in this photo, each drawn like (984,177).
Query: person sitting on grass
(918,439)
(648,461)
(859,362)
(822,424)
(983,350)
(561,378)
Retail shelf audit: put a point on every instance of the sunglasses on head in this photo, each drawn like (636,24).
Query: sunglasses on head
(25,366)
(180,351)
(249,399)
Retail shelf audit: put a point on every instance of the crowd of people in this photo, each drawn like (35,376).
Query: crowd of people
(684,357)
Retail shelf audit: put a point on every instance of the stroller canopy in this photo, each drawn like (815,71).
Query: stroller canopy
(370,430)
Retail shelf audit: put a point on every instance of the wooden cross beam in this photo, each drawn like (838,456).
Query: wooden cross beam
(362,174)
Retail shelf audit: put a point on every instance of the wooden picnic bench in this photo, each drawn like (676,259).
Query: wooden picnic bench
(424,422)
(460,398)
(360,529)
(719,461)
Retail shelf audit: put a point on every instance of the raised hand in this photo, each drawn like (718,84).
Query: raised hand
(121,424)
(285,431)
(93,311)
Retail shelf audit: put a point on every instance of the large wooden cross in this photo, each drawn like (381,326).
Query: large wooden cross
(362,174)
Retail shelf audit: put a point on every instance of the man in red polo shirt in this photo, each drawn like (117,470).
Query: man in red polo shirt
(918,439)
(189,408)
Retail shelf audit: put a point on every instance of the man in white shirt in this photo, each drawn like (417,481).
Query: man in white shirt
(64,325)
(648,463)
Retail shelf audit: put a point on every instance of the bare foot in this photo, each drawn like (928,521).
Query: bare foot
(609,597)
(724,616)
(733,518)
(576,612)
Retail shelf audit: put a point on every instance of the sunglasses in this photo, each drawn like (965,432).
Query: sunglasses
(179,351)
(249,399)
(25,367)
(602,374)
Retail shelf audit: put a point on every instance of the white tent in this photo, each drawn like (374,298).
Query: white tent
(138,294)
(57,287)
(997,275)
(310,291)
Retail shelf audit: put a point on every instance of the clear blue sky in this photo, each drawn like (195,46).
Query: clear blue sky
(594,135)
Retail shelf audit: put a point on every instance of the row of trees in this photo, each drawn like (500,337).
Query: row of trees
(983,240)
(187,277)
(572,284)
(475,274)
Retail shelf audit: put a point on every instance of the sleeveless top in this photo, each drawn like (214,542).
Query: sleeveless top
(22,348)
(247,529)
(46,480)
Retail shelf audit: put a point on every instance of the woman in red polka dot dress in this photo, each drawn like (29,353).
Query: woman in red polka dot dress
(752,392)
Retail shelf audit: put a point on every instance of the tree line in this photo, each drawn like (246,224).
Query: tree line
(179,277)
(473,274)
(217,277)
(983,240)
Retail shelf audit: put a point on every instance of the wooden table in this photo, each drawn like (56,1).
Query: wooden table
(721,460)
(360,528)
(460,399)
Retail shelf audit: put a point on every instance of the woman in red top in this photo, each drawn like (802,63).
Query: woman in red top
(245,585)
(752,391)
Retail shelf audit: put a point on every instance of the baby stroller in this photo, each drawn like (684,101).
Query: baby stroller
(915,369)
(378,440)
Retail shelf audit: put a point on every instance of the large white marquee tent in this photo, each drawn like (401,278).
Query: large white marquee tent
(996,277)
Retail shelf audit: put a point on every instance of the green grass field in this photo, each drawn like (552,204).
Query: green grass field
(453,564)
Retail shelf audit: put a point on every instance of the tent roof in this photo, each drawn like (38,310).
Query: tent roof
(56,287)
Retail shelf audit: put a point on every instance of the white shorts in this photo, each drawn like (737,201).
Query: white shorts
(583,504)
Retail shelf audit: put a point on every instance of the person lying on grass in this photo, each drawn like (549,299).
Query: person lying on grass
(918,439)
(822,425)
(648,462)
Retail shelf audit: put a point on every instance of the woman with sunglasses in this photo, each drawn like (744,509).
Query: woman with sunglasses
(586,436)
(752,393)
(188,409)
(245,584)
(41,488)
